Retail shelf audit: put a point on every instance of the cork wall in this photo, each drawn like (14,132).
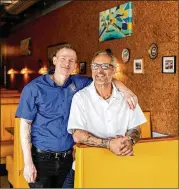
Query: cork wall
(78,22)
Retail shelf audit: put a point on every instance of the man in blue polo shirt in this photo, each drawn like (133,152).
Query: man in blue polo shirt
(44,111)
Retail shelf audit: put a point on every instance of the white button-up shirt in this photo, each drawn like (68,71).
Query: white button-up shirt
(103,118)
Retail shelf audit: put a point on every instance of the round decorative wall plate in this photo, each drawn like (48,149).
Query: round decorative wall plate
(125,55)
(153,51)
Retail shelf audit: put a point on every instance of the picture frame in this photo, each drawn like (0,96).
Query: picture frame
(125,55)
(82,68)
(153,51)
(169,64)
(138,66)
(26,47)
(116,22)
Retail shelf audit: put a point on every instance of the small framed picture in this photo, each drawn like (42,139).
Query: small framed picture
(153,51)
(82,68)
(138,66)
(169,64)
(26,46)
(125,55)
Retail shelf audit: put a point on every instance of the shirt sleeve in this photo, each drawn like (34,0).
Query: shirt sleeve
(27,107)
(77,118)
(136,118)
(82,81)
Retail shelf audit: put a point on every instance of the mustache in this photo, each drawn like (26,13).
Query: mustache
(100,73)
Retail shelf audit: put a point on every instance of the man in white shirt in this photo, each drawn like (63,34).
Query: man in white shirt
(99,115)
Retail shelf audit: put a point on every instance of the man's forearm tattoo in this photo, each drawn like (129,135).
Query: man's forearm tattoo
(29,122)
(25,131)
(134,134)
(92,140)
(105,143)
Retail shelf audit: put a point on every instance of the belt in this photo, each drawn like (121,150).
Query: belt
(50,154)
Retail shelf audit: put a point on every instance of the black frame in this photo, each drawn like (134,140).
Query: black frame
(163,61)
(82,68)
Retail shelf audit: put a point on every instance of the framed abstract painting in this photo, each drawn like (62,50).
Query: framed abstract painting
(116,22)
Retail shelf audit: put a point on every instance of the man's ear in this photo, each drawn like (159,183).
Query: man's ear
(54,59)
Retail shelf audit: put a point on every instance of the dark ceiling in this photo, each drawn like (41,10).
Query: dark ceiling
(15,13)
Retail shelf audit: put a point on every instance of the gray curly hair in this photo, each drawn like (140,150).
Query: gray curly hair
(108,53)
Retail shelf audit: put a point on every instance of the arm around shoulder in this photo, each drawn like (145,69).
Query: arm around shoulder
(130,97)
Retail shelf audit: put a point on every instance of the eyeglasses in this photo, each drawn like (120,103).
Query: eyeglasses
(104,66)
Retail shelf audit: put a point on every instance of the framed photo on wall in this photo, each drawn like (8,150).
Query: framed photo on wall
(138,66)
(26,46)
(125,55)
(169,64)
(82,68)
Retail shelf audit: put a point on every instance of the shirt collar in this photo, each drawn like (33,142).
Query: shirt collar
(52,83)
(94,95)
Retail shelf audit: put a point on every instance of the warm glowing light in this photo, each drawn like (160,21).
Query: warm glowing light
(43,70)
(12,71)
(26,71)
(119,73)
(76,70)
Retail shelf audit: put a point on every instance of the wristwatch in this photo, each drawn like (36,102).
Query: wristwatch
(132,140)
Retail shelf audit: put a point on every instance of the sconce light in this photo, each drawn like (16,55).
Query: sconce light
(12,71)
(76,70)
(43,70)
(26,71)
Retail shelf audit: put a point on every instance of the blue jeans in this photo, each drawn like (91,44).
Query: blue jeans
(69,181)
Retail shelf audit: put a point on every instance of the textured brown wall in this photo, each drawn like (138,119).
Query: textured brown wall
(78,22)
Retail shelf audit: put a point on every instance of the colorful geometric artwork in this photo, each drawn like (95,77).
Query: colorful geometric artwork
(116,22)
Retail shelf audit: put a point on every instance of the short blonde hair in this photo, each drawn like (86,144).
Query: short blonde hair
(108,53)
(62,46)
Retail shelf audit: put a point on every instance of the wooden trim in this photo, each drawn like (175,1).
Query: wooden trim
(10,96)
(7,142)
(9,103)
(154,139)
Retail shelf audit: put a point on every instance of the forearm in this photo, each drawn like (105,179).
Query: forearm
(84,137)
(25,136)
(134,134)
(121,86)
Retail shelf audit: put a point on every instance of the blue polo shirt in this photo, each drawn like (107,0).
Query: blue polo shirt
(48,106)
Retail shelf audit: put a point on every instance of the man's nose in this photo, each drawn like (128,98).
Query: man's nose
(67,62)
(99,68)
